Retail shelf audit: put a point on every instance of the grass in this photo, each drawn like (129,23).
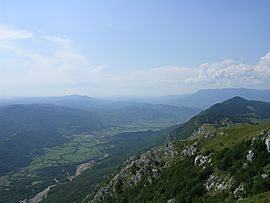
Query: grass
(81,148)
(234,135)
(262,198)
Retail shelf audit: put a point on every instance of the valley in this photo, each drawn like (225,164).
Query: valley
(134,101)
(81,152)
(60,165)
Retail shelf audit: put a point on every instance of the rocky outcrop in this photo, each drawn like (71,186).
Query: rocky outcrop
(267,141)
(148,165)
(201,160)
(239,191)
(147,168)
(189,150)
(171,200)
(250,155)
(216,184)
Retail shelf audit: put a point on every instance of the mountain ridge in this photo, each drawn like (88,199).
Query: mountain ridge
(231,111)
(205,98)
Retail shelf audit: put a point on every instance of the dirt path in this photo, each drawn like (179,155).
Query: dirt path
(39,197)
(81,168)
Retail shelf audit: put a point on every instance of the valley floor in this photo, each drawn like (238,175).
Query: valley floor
(87,155)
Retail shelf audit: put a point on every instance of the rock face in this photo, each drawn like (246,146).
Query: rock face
(137,168)
(171,201)
(264,175)
(190,150)
(201,160)
(239,191)
(267,141)
(216,184)
(210,182)
(250,155)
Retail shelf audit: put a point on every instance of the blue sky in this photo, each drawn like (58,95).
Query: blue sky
(131,48)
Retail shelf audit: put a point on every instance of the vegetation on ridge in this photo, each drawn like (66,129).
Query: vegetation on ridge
(232,111)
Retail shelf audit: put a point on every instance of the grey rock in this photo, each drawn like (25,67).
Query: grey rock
(250,156)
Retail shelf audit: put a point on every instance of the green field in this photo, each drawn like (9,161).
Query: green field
(57,162)
(80,148)
(136,127)
(60,162)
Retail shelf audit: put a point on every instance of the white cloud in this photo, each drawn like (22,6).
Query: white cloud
(61,41)
(11,33)
(31,71)
(231,74)
(263,67)
(51,65)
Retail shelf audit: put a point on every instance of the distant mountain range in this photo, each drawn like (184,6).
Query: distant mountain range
(75,101)
(207,97)
(201,99)
(113,111)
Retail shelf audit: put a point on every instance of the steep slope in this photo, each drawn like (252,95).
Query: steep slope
(192,171)
(232,111)
(219,164)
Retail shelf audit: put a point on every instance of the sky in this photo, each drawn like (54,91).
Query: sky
(132,48)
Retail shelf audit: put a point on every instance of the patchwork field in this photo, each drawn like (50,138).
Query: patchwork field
(80,148)
(57,165)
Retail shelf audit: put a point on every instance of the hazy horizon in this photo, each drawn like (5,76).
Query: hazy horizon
(124,48)
(129,97)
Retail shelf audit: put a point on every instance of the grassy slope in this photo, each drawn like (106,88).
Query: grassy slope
(234,135)
(261,198)
(185,182)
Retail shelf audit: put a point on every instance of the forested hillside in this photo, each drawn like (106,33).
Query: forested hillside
(232,111)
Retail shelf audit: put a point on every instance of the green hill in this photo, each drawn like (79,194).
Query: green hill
(232,111)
